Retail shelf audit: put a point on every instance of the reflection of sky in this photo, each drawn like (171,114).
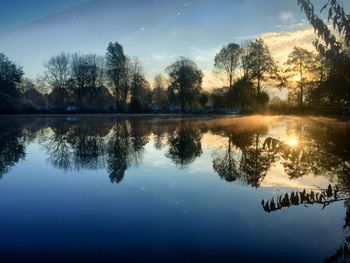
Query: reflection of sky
(156,31)
(158,205)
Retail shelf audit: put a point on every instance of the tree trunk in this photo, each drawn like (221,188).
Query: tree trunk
(258,94)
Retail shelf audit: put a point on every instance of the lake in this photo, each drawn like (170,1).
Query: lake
(170,189)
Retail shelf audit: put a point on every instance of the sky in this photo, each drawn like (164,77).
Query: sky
(155,31)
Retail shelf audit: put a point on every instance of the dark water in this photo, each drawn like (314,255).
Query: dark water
(147,189)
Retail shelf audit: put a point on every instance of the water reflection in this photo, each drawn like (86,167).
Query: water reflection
(246,151)
(184,144)
(243,156)
(125,148)
(12,145)
(323,151)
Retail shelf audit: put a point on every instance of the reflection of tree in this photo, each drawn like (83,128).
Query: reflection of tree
(323,197)
(343,252)
(322,150)
(295,160)
(184,145)
(85,145)
(256,161)
(76,146)
(118,153)
(88,147)
(125,148)
(159,137)
(243,156)
(12,147)
(58,148)
(224,163)
(226,156)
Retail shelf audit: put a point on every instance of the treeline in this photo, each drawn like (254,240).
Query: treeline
(116,82)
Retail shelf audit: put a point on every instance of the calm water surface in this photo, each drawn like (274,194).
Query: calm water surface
(115,189)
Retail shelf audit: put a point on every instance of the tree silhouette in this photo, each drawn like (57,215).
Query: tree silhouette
(227,60)
(57,75)
(322,197)
(259,65)
(116,70)
(87,77)
(185,82)
(300,65)
(333,47)
(159,93)
(10,76)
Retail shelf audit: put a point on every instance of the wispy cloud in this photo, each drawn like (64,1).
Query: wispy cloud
(285,16)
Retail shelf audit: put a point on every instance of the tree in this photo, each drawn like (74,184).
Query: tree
(159,93)
(140,89)
(333,47)
(25,85)
(227,60)
(217,97)
(10,76)
(116,70)
(259,65)
(299,67)
(87,77)
(57,74)
(185,82)
(203,99)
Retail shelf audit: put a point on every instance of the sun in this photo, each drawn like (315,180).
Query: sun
(292,142)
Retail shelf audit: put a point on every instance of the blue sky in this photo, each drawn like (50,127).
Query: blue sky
(155,31)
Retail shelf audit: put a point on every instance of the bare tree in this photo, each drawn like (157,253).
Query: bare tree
(57,74)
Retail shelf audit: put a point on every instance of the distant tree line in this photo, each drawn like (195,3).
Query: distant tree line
(116,82)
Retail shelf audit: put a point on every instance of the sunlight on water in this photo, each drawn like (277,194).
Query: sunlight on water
(165,185)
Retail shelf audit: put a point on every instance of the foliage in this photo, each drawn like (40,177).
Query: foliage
(242,94)
(227,61)
(299,68)
(185,82)
(259,66)
(334,48)
(323,197)
(203,99)
(116,63)
(10,76)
